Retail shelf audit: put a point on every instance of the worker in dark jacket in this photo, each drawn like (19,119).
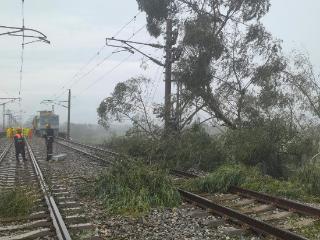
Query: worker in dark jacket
(49,138)
(19,143)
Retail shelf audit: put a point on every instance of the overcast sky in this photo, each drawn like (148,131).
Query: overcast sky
(77,30)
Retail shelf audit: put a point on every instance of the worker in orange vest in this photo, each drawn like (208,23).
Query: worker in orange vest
(20,143)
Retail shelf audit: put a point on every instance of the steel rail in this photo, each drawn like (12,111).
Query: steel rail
(265,198)
(5,151)
(84,152)
(277,201)
(182,173)
(90,146)
(58,222)
(256,225)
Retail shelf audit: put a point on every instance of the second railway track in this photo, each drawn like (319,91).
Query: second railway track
(259,212)
(87,150)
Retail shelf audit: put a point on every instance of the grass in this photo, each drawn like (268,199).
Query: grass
(309,177)
(219,180)
(312,231)
(134,188)
(251,178)
(17,202)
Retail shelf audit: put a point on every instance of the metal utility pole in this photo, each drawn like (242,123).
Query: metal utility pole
(69,110)
(168,47)
(4,117)
(168,73)
(178,112)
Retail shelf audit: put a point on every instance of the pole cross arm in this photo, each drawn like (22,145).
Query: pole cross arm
(9,100)
(49,101)
(1,98)
(154,45)
(128,45)
(19,32)
(146,55)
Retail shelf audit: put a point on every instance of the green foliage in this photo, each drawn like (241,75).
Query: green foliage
(251,178)
(309,177)
(135,146)
(200,33)
(311,232)
(127,103)
(133,188)
(16,203)
(267,184)
(221,179)
(255,9)
(157,12)
(261,145)
(273,146)
(194,147)
(304,145)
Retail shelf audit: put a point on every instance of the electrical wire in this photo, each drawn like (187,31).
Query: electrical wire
(78,77)
(107,73)
(105,59)
(99,64)
(133,19)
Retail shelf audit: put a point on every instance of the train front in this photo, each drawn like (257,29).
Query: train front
(51,119)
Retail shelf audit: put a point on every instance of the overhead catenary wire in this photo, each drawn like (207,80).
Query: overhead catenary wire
(84,66)
(98,65)
(78,76)
(104,59)
(107,73)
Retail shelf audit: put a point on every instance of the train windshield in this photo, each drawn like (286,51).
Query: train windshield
(52,120)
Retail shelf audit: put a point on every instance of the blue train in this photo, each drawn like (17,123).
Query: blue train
(45,117)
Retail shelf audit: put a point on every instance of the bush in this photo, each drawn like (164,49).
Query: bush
(262,145)
(193,148)
(133,188)
(136,146)
(16,203)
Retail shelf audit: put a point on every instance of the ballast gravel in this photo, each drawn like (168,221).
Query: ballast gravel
(172,224)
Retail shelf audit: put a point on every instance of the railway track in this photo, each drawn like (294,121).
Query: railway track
(93,148)
(55,214)
(261,213)
(87,150)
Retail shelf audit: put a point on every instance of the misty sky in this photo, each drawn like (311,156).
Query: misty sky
(77,30)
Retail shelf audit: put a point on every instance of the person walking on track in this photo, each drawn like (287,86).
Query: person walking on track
(49,138)
(19,143)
